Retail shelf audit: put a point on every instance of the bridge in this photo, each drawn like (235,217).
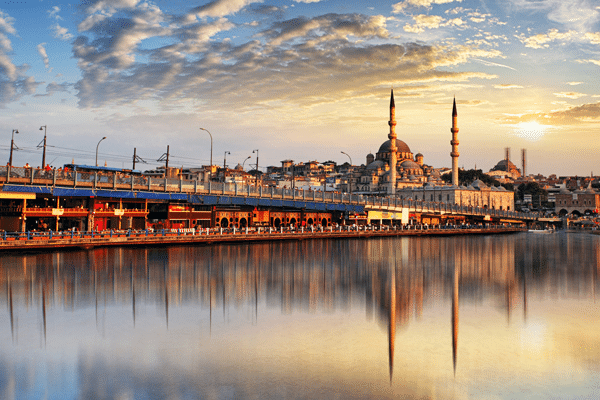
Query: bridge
(123,185)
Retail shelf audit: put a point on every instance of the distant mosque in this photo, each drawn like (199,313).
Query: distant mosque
(395,171)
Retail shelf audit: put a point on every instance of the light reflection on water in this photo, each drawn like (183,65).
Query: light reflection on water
(505,316)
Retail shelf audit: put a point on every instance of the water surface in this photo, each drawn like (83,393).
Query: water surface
(474,317)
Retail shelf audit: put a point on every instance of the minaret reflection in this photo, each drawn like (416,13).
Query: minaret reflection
(455,291)
(392,319)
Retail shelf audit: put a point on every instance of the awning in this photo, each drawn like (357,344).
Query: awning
(119,194)
(73,192)
(153,196)
(26,189)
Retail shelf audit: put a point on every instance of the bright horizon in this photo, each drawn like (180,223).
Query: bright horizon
(301,80)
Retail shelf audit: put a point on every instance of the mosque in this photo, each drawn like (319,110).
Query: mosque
(395,171)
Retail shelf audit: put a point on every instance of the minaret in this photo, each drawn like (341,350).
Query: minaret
(454,143)
(393,149)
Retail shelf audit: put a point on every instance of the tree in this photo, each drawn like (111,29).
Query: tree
(539,197)
(467,177)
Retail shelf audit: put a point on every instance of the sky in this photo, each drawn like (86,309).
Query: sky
(301,80)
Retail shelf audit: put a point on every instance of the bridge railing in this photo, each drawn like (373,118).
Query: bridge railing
(123,181)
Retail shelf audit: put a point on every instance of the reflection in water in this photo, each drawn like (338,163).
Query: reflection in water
(295,315)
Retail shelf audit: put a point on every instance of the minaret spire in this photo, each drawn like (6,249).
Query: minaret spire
(393,148)
(454,142)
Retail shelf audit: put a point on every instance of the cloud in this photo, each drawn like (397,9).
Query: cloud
(570,95)
(577,14)
(301,61)
(327,27)
(597,62)
(430,22)
(574,83)
(543,40)
(53,13)
(586,113)
(401,6)
(219,8)
(54,87)
(42,51)
(508,86)
(61,33)
(14,84)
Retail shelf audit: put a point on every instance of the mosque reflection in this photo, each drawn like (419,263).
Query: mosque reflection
(395,279)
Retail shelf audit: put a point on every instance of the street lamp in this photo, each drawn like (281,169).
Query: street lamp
(349,179)
(12,145)
(225,163)
(211,149)
(256,151)
(244,163)
(225,159)
(97,149)
(43,127)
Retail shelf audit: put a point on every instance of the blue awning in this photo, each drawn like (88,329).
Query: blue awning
(224,200)
(26,189)
(276,203)
(311,206)
(210,200)
(195,199)
(74,192)
(252,201)
(300,204)
(264,202)
(331,207)
(179,196)
(153,196)
(238,201)
(321,206)
(118,194)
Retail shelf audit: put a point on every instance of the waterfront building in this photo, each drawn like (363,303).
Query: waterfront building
(578,202)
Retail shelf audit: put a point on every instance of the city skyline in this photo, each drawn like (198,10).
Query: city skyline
(301,80)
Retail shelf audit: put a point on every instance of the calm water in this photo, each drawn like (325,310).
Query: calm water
(491,317)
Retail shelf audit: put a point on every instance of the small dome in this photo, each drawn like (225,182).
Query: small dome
(410,164)
(376,164)
(239,167)
(479,184)
(564,191)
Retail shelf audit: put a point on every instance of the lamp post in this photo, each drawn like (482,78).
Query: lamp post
(244,163)
(43,127)
(225,163)
(349,179)
(97,149)
(211,149)
(256,181)
(12,145)
(225,159)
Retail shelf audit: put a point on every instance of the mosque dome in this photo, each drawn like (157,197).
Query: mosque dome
(409,164)
(400,145)
(502,166)
(376,164)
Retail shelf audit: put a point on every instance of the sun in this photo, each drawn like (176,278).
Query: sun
(531,130)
